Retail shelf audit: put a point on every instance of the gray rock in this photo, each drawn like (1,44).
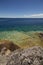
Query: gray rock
(32,56)
(3,59)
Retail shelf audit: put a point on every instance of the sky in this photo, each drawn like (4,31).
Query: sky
(21,8)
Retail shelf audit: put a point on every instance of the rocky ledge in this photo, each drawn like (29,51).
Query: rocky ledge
(32,56)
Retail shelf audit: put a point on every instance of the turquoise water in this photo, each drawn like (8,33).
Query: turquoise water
(22,31)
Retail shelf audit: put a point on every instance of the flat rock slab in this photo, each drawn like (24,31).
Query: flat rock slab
(3,60)
(31,56)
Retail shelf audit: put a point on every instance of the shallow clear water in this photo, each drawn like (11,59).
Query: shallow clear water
(22,31)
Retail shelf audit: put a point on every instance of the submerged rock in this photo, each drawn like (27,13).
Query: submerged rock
(32,56)
(41,34)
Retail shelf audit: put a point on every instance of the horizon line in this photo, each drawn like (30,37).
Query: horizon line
(19,17)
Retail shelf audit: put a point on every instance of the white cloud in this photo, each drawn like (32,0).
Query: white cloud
(24,16)
(34,16)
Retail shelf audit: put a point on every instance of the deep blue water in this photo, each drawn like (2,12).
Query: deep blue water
(21,24)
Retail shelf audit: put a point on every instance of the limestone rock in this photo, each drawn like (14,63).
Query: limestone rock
(32,56)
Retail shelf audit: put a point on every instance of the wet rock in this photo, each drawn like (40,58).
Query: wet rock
(40,35)
(32,56)
(7,47)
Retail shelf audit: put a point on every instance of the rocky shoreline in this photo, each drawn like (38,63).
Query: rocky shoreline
(29,56)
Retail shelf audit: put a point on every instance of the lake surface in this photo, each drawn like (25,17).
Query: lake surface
(22,31)
(21,24)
